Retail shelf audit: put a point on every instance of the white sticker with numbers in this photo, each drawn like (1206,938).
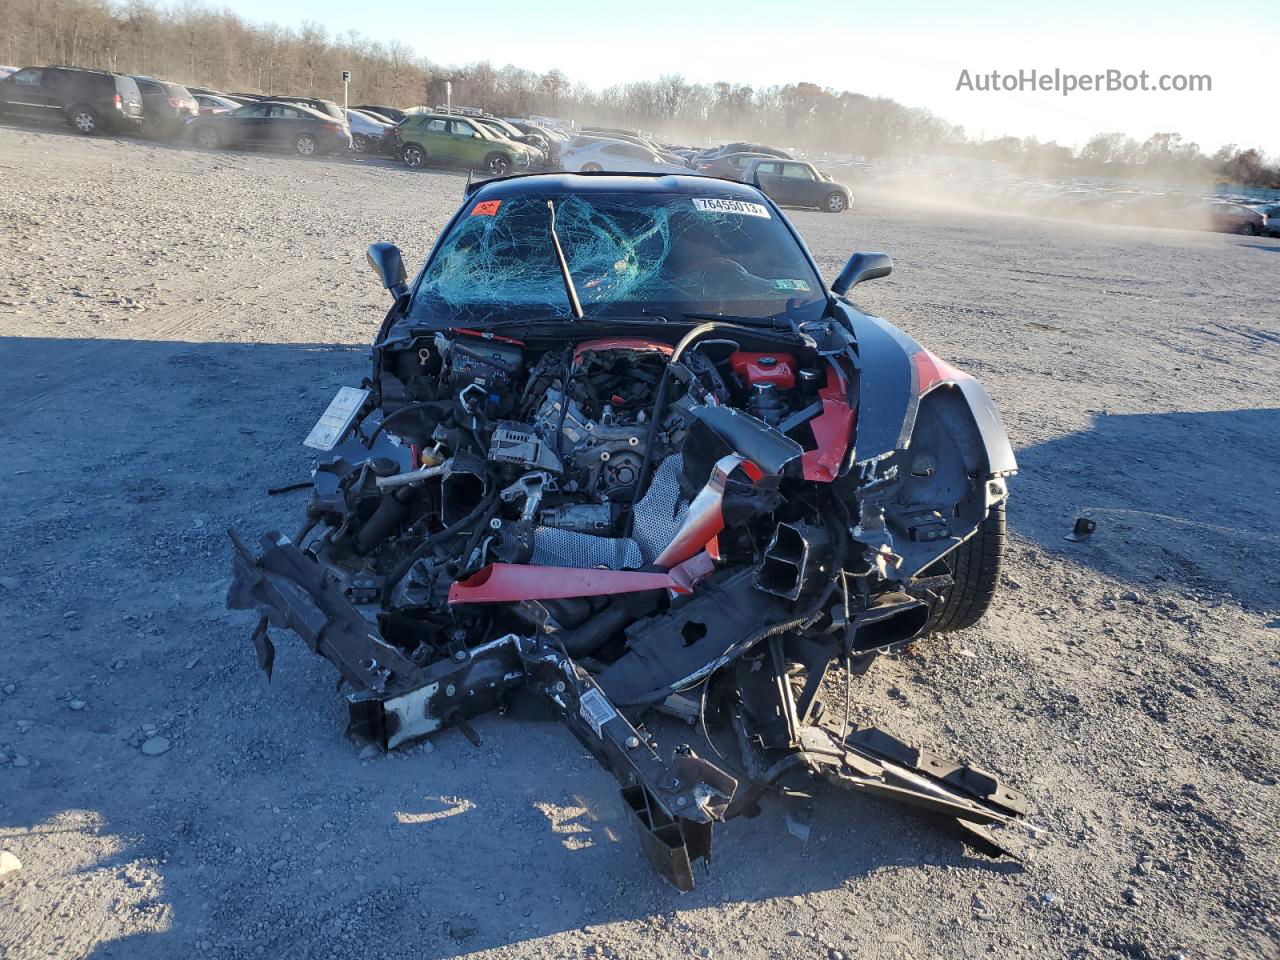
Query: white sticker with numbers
(742,207)
(596,710)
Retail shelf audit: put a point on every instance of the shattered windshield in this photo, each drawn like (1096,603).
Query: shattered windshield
(627,253)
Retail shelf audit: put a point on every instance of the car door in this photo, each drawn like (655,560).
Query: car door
(640,158)
(616,156)
(246,125)
(282,124)
(799,185)
(24,93)
(468,144)
(768,176)
(432,134)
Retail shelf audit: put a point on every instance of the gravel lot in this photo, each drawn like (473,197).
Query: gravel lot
(172,322)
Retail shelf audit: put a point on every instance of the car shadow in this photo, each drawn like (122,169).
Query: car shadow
(259,829)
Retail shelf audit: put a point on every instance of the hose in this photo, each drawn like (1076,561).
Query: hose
(440,535)
(407,408)
(660,402)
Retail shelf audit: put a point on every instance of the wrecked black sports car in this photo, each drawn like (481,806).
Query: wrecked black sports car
(622,447)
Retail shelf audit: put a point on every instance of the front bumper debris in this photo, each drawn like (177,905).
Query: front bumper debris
(673,804)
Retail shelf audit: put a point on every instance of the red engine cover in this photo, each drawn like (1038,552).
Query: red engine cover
(776,368)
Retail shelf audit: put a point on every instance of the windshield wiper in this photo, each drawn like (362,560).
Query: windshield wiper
(575,305)
(774,323)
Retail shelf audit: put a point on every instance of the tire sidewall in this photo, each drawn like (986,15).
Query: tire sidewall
(416,152)
(591,168)
(498,165)
(300,142)
(359,143)
(209,134)
(835,203)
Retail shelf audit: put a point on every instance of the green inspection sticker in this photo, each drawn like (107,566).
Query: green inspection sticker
(788,284)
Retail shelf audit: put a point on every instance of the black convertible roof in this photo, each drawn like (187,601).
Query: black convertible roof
(543,184)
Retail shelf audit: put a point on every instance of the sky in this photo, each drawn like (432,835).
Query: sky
(910,50)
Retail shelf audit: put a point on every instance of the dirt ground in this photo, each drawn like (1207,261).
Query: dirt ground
(171,324)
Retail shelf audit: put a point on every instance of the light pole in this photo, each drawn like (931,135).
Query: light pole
(346,82)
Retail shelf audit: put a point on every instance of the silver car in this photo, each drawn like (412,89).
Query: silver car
(367,133)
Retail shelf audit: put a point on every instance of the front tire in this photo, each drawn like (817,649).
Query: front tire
(306,145)
(975,568)
(359,143)
(413,156)
(1250,230)
(498,165)
(207,138)
(835,203)
(85,120)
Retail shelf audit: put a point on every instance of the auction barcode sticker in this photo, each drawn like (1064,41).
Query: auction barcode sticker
(743,207)
(596,710)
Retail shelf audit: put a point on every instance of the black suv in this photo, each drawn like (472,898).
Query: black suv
(91,101)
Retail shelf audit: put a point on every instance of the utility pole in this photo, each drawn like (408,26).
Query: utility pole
(346,82)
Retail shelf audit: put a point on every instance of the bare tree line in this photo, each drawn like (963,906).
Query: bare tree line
(195,44)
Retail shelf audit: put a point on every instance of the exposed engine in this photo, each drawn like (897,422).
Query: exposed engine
(541,455)
(617,522)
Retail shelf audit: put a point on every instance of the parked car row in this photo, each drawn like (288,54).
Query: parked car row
(94,101)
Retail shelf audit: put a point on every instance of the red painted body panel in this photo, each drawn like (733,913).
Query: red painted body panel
(932,370)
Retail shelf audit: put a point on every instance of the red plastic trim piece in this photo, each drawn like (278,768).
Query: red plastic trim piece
(511,582)
(831,429)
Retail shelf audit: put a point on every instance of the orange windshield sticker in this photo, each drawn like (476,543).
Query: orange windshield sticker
(486,208)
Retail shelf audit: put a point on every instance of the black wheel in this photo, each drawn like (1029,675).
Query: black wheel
(591,168)
(359,143)
(835,203)
(975,567)
(208,138)
(306,145)
(1249,229)
(84,119)
(498,165)
(414,156)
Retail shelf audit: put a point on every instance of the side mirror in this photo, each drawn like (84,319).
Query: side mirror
(862,266)
(387,264)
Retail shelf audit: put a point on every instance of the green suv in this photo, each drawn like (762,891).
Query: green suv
(434,138)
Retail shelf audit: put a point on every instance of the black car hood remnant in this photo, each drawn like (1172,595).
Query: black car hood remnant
(695,516)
